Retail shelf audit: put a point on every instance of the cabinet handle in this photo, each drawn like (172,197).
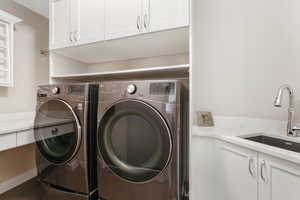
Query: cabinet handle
(146,21)
(250,167)
(262,167)
(138,23)
(76,36)
(70,37)
(54,131)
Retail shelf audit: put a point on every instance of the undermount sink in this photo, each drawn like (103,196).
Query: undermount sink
(276,142)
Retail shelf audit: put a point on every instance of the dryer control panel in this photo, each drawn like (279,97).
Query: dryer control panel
(164,88)
(161,91)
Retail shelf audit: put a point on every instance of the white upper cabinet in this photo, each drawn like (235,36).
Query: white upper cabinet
(166,14)
(77,22)
(123,18)
(132,17)
(90,21)
(74,22)
(60,26)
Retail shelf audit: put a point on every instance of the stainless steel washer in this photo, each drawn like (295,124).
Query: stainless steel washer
(65,128)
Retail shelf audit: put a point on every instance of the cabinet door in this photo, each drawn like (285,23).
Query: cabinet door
(166,14)
(202,172)
(236,173)
(91,21)
(122,18)
(279,179)
(60,23)
(74,20)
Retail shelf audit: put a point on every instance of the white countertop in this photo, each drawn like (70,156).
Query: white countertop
(14,122)
(235,137)
(225,130)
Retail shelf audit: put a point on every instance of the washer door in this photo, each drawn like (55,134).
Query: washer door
(134,141)
(57,131)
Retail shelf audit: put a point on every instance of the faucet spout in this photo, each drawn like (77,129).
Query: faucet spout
(291,131)
(291,92)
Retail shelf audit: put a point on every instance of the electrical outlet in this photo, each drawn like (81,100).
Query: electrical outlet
(205,119)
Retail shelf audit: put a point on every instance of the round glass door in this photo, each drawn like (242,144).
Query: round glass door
(57,131)
(134,141)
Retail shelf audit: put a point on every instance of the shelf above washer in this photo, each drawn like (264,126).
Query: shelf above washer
(151,72)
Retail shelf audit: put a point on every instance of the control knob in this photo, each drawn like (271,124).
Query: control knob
(55,90)
(131,89)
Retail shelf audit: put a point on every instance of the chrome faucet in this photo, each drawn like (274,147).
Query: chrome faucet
(291,128)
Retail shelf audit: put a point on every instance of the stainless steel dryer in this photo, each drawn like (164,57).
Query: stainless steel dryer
(65,128)
(142,140)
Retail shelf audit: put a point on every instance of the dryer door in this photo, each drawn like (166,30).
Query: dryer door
(134,141)
(57,131)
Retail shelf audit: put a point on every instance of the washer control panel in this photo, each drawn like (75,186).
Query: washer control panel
(70,92)
(131,89)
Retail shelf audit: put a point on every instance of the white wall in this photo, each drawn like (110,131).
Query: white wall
(30,68)
(64,65)
(243,51)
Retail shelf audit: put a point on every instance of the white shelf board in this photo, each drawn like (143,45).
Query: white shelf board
(154,72)
(170,42)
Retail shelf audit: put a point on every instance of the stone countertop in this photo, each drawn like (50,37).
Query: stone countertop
(237,139)
(15,122)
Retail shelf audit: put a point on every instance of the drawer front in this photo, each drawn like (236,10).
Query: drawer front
(54,131)
(8,141)
(25,137)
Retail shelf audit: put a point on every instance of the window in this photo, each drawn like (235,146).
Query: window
(7,22)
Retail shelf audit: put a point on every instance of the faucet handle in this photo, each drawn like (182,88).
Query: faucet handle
(295,131)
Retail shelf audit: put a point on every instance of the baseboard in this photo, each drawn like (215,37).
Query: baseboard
(18,180)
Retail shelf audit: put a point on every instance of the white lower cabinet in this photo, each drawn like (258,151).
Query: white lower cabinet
(236,173)
(279,179)
(244,174)
(16,139)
